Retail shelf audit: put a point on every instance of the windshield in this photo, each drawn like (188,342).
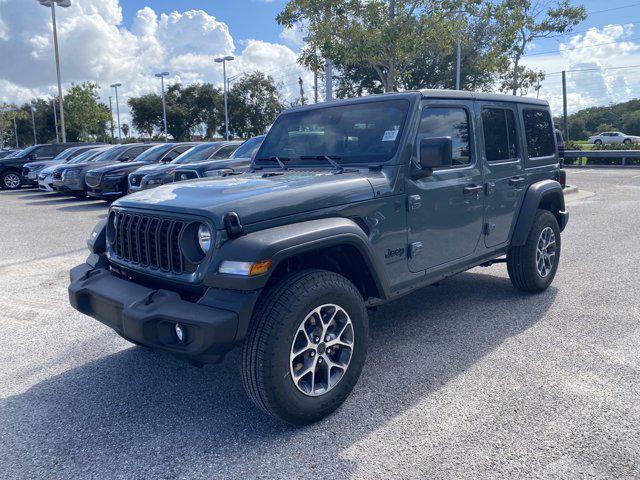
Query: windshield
(248,148)
(110,154)
(88,155)
(199,153)
(154,154)
(362,132)
(26,151)
(68,153)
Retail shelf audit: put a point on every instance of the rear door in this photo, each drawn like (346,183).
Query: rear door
(505,179)
(445,210)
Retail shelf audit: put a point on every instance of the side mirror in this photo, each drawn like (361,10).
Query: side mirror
(436,152)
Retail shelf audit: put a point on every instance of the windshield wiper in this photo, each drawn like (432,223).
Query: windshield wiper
(339,168)
(275,158)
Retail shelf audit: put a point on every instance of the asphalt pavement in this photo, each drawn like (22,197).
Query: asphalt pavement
(469,379)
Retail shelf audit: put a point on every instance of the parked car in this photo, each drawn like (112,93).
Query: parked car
(45,177)
(606,138)
(111,181)
(7,152)
(237,163)
(348,205)
(153,175)
(70,179)
(31,170)
(11,166)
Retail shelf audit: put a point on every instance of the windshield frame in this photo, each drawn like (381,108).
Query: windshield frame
(411,99)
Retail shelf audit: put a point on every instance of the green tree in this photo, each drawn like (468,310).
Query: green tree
(631,123)
(254,104)
(146,113)
(86,118)
(524,22)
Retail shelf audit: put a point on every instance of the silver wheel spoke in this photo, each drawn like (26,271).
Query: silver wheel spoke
(546,251)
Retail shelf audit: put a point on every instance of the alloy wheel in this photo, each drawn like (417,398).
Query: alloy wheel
(546,252)
(321,350)
(12,180)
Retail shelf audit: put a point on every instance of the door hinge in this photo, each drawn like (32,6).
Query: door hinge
(488,228)
(414,202)
(415,249)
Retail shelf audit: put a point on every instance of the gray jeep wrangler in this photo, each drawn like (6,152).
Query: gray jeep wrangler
(347,205)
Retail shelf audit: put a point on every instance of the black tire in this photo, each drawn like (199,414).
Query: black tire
(627,141)
(10,180)
(598,142)
(79,196)
(266,372)
(522,262)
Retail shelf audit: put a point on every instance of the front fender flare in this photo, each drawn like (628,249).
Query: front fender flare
(280,243)
(534,196)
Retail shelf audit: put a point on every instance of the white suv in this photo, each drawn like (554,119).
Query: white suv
(613,137)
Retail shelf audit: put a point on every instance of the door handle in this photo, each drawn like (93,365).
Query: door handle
(472,189)
(516,181)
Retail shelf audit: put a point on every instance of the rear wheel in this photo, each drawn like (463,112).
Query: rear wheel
(10,181)
(598,142)
(306,346)
(627,141)
(533,265)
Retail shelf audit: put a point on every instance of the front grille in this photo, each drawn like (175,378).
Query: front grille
(134,180)
(151,242)
(185,175)
(93,179)
(57,175)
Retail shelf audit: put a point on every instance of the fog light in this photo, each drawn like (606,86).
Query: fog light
(180,333)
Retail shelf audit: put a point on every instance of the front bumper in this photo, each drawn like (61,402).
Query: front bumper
(148,316)
(108,188)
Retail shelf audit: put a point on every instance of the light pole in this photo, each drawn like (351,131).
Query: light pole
(161,76)
(52,5)
(15,129)
(115,86)
(33,123)
(111,111)
(55,119)
(224,61)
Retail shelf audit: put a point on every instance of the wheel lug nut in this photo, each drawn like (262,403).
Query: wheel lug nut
(317,339)
(327,338)
(320,360)
(312,354)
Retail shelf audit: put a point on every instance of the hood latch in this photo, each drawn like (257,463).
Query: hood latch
(232,225)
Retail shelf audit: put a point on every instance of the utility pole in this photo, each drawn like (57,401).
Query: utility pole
(33,122)
(55,119)
(15,129)
(111,110)
(224,61)
(564,106)
(115,86)
(161,76)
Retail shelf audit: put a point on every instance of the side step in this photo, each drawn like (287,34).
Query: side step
(495,260)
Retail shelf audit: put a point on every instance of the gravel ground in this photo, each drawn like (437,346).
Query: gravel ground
(470,379)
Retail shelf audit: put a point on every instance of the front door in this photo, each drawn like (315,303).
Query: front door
(445,210)
(504,171)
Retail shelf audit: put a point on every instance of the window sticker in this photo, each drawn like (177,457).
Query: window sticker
(390,136)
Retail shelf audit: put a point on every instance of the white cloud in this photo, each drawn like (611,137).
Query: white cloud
(593,62)
(95,46)
(294,35)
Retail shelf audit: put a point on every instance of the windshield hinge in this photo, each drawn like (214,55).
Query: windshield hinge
(232,225)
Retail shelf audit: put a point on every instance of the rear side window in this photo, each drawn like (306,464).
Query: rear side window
(500,134)
(225,151)
(448,122)
(538,129)
(135,151)
(46,151)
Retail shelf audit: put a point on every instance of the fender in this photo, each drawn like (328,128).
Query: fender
(280,243)
(537,192)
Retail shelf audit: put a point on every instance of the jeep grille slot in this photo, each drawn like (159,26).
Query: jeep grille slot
(150,242)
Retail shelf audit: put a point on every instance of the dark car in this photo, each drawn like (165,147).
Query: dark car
(111,181)
(11,166)
(348,205)
(154,175)
(30,171)
(70,179)
(237,163)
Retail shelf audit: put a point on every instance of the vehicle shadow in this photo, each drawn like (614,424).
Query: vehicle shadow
(57,200)
(137,413)
(85,207)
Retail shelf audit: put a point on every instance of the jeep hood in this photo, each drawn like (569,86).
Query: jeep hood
(255,196)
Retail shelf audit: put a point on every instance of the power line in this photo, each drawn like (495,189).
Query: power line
(615,8)
(579,48)
(593,69)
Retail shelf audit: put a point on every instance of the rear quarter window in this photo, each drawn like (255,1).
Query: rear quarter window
(538,129)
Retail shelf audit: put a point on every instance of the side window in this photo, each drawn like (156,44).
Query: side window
(539,132)
(181,149)
(46,151)
(225,151)
(134,152)
(500,134)
(448,122)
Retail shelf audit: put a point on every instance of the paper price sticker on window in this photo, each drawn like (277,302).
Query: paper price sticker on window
(390,136)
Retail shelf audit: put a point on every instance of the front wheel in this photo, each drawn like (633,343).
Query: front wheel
(533,265)
(627,141)
(306,346)
(10,181)
(598,142)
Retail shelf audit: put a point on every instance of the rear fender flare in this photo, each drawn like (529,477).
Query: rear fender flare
(537,193)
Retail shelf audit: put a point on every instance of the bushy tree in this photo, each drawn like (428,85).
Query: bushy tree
(85,117)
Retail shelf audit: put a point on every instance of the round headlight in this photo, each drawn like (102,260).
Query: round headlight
(204,238)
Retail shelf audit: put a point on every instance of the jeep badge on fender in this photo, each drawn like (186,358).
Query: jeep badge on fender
(346,205)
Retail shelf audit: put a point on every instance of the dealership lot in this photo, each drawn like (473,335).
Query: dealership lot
(467,379)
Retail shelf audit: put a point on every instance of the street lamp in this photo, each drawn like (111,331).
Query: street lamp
(115,86)
(161,76)
(52,5)
(224,61)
